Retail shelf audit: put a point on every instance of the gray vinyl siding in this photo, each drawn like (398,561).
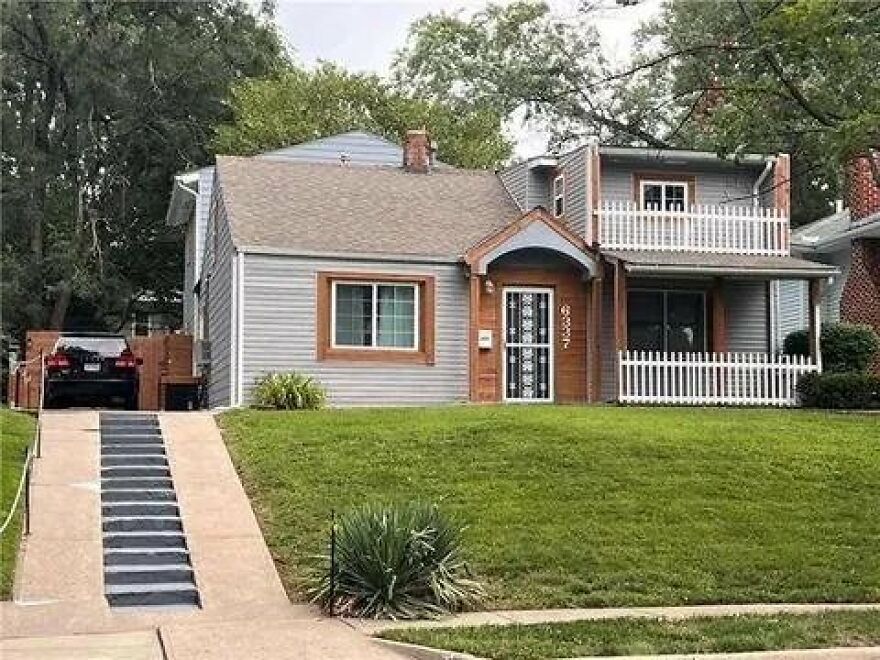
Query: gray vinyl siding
(189,275)
(833,292)
(539,181)
(574,167)
(202,213)
(713,186)
(515,181)
(280,333)
(361,149)
(791,308)
(793,303)
(746,302)
(219,258)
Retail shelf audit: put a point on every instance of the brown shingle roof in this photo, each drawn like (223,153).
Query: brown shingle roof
(316,207)
(701,263)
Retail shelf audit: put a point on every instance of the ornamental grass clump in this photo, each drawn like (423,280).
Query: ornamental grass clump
(398,561)
(288,391)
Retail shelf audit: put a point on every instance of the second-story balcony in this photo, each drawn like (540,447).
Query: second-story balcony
(624,225)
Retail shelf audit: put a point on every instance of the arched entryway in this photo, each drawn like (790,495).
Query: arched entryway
(531,304)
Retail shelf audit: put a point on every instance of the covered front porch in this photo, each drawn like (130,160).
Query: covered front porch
(693,329)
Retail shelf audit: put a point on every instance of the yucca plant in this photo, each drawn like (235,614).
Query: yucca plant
(398,561)
(288,391)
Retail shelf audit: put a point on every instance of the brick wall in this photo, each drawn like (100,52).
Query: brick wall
(861,293)
(862,191)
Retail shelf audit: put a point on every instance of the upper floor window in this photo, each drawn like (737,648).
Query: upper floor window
(664,195)
(559,196)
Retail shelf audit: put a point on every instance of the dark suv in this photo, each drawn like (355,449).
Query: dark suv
(91,366)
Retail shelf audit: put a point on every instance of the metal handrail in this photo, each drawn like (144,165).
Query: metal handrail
(34,451)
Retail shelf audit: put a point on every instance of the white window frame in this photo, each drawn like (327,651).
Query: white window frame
(375,284)
(551,374)
(663,183)
(665,293)
(559,195)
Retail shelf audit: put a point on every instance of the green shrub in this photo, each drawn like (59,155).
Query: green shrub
(840,391)
(400,561)
(288,391)
(845,347)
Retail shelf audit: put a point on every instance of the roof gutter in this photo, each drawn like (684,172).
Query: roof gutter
(662,269)
(756,189)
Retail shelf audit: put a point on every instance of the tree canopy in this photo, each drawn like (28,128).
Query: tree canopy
(104,103)
(751,75)
(297,105)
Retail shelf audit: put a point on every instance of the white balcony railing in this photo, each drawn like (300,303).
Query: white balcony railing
(702,228)
(738,379)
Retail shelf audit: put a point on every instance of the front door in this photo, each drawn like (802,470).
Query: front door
(528,344)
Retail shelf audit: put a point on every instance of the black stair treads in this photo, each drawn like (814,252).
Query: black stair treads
(146,561)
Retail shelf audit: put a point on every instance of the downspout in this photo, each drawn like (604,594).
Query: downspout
(240,330)
(773,289)
(233,332)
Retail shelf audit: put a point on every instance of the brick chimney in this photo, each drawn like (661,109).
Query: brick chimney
(860,301)
(861,191)
(417,155)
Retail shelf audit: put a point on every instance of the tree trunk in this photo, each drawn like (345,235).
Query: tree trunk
(62,303)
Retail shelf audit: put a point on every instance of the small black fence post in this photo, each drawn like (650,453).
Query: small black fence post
(332,607)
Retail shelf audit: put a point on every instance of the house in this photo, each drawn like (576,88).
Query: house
(850,240)
(601,274)
(191,199)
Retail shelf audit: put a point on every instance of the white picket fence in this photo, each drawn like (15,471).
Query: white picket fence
(624,225)
(739,379)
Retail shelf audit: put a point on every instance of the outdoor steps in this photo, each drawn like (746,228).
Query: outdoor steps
(146,562)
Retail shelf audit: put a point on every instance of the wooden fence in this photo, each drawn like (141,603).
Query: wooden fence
(167,360)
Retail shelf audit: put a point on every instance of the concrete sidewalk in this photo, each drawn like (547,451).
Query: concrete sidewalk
(58,595)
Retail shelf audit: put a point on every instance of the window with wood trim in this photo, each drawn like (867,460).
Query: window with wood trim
(559,196)
(664,191)
(376,317)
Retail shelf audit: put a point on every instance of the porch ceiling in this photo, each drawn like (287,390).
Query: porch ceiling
(707,264)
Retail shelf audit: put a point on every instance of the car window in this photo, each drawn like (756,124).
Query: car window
(103,346)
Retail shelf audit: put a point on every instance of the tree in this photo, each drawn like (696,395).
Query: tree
(759,75)
(104,103)
(298,105)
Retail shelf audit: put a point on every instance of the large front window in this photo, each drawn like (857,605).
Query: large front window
(673,321)
(375,315)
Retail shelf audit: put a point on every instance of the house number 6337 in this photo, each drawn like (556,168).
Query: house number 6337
(565,326)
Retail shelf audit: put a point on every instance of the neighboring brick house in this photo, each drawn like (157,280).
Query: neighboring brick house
(849,239)
(600,274)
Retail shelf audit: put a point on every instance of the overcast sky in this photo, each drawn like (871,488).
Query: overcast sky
(362,35)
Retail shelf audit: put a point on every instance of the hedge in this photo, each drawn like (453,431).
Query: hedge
(845,347)
(855,391)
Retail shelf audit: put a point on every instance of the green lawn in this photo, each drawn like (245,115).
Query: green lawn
(644,637)
(16,431)
(590,506)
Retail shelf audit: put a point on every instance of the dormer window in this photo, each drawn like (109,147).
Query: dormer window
(664,195)
(559,196)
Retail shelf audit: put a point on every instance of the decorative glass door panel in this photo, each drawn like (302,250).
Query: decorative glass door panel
(528,344)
